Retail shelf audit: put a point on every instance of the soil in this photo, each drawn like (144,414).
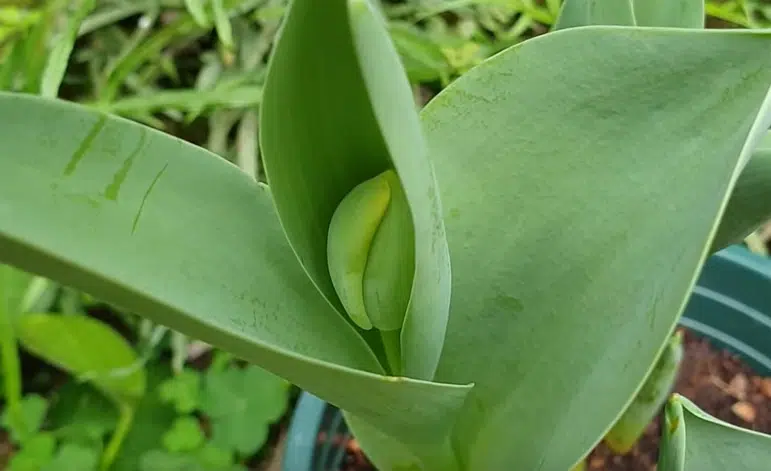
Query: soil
(717,381)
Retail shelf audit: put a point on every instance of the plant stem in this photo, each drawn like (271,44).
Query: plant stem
(392,345)
(10,355)
(125,419)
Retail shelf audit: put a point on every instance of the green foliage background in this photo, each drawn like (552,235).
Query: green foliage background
(195,69)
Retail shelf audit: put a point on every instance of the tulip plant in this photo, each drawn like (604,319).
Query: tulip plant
(483,284)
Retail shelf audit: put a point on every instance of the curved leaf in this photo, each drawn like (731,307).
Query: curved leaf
(672,443)
(88,348)
(389,454)
(393,104)
(674,13)
(336,113)
(560,208)
(170,231)
(750,203)
(576,13)
(714,445)
(318,135)
(631,425)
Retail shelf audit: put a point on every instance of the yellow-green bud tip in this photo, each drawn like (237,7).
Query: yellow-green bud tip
(370,251)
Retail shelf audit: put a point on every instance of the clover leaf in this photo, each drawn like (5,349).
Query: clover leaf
(241,404)
(75,457)
(33,413)
(182,391)
(184,435)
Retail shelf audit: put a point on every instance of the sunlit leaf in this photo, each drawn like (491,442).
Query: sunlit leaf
(88,348)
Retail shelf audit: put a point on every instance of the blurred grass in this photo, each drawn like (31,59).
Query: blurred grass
(182,65)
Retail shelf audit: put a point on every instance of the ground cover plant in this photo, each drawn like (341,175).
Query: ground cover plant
(124,71)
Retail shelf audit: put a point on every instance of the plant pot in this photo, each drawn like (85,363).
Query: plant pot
(730,306)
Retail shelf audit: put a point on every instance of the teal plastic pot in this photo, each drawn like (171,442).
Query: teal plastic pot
(730,306)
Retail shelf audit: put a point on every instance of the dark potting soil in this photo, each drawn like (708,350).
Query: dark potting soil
(717,381)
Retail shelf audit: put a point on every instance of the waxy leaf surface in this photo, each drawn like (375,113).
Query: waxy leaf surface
(165,229)
(336,113)
(580,193)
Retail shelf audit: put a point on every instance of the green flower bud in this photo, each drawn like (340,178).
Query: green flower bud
(632,423)
(371,252)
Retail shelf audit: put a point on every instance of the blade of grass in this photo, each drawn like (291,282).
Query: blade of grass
(132,42)
(53,74)
(726,12)
(101,18)
(197,11)
(220,124)
(186,100)
(246,142)
(222,24)
(11,63)
(151,47)
(125,420)
(9,354)
(35,51)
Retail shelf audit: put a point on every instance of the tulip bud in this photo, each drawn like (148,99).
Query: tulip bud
(371,253)
(632,423)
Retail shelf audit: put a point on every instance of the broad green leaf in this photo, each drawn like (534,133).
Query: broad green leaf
(185,434)
(714,445)
(241,405)
(243,290)
(578,227)
(33,409)
(750,203)
(316,151)
(576,13)
(672,13)
(36,453)
(75,457)
(86,347)
(383,451)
